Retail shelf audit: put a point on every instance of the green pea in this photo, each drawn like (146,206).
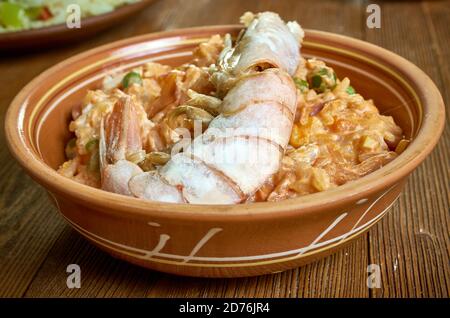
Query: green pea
(301,84)
(316,81)
(323,71)
(323,79)
(131,78)
(350,90)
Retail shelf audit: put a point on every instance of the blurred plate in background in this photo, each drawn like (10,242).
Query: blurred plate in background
(61,34)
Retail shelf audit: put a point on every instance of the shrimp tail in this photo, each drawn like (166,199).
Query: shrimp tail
(122,131)
(120,140)
(119,137)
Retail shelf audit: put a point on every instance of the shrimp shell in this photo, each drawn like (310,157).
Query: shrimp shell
(242,146)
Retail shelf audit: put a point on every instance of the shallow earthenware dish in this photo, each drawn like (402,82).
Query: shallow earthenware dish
(222,241)
(36,39)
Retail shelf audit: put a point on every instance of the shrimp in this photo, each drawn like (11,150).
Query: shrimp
(243,145)
(267,42)
(120,140)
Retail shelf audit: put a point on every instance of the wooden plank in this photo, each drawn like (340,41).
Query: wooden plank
(411,245)
(28,228)
(101,275)
(28,224)
(340,275)
(328,15)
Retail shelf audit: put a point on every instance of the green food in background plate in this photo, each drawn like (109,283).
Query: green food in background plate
(17,15)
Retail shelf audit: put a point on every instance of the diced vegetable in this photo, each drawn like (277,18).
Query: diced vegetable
(45,14)
(302,85)
(369,143)
(320,180)
(131,78)
(350,90)
(402,145)
(322,72)
(92,145)
(12,15)
(295,139)
(33,12)
(38,13)
(316,81)
(322,78)
(71,149)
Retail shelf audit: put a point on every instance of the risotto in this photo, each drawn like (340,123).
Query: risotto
(338,135)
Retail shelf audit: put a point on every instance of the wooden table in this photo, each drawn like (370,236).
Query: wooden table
(411,244)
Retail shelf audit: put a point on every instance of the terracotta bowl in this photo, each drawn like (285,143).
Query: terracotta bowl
(222,241)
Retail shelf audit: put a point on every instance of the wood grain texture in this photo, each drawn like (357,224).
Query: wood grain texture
(411,244)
